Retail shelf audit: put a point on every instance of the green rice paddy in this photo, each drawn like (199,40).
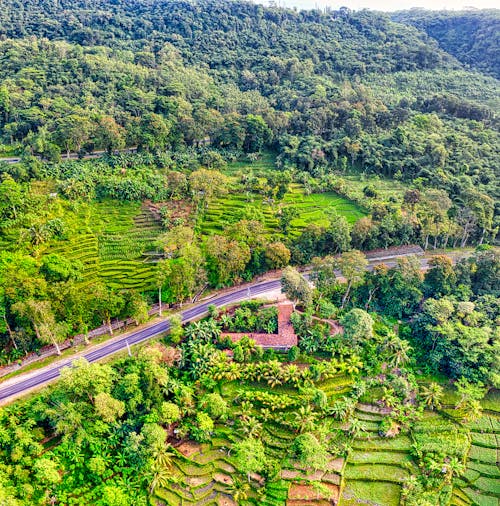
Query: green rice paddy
(109,239)
(480,485)
(238,204)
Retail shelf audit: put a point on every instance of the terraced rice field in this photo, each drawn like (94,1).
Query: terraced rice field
(205,474)
(371,475)
(480,485)
(111,245)
(201,475)
(314,208)
(376,466)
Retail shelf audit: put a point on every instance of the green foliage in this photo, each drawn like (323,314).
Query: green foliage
(310,452)
(250,456)
(465,34)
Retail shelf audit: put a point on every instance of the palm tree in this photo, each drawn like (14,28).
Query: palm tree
(472,410)
(400,350)
(245,408)
(339,410)
(305,419)
(356,426)
(239,490)
(161,467)
(388,397)
(160,478)
(353,365)
(454,468)
(265,414)
(431,395)
(251,427)
(163,456)
(273,374)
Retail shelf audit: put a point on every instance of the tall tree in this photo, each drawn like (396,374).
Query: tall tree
(352,265)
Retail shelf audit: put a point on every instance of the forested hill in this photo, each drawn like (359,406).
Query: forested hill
(472,36)
(232,34)
(330,89)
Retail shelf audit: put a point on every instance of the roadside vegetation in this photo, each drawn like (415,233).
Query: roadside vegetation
(393,409)
(234,140)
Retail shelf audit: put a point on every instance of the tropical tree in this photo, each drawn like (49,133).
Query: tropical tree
(358,326)
(399,350)
(250,456)
(40,314)
(305,419)
(238,490)
(431,395)
(296,287)
(352,265)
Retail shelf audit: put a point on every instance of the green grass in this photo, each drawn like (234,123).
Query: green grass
(385,188)
(483,455)
(363,493)
(400,443)
(480,499)
(383,457)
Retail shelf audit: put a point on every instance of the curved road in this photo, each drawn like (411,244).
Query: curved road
(23,384)
(19,385)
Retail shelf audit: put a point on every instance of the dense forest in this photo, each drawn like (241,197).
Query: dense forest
(154,150)
(471,36)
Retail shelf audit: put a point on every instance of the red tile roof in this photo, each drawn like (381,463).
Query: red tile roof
(284,339)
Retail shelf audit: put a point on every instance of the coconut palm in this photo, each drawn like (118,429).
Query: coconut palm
(265,414)
(388,397)
(454,468)
(305,419)
(431,395)
(353,365)
(273,374)
(472,410)
(399,350)
(356,426)
(239,490)
(251,427)
(160,478)
(163,457)
(339,410)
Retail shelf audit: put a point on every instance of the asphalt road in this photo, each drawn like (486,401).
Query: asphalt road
(19,385)
(73,156)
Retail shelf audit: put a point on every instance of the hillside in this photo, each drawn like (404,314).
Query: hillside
(471,36)
(239,33)
(161,152)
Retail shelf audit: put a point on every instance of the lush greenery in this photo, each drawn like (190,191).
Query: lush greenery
(235,139)
(153,150)
(351,416)
(468,35)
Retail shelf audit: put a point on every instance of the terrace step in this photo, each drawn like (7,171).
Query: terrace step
(478,498)
(460,498)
